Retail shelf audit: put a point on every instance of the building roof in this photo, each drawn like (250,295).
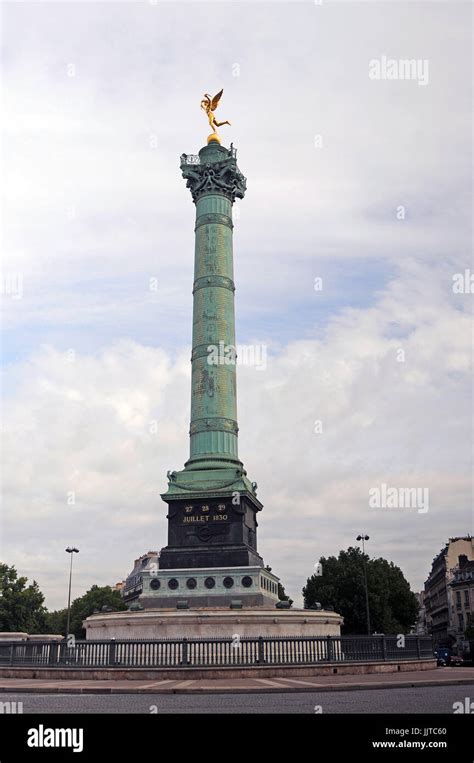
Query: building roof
(444,551)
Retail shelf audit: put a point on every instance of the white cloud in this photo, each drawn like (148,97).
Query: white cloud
(92,212)
(83,427)
(88,200)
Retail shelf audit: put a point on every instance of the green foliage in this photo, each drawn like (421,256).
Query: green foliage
(281,591)
(95,598)
(282,594)
(21,606)
(393,606)
(56,621)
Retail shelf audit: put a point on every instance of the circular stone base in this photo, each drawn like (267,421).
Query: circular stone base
(212,623)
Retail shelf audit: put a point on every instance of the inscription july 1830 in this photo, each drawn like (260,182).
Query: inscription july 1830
(204,516)
(206,532)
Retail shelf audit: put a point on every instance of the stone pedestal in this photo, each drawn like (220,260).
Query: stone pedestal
(209,587)
(209,531)
(212,623)
(212,505)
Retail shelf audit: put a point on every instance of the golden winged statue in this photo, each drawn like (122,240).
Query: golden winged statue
(209,105)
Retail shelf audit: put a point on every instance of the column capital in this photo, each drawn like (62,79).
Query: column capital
(213,170)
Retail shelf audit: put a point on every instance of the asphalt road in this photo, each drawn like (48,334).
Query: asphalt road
(430,699)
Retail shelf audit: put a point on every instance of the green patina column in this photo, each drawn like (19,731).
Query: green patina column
(212,503)
(214,184)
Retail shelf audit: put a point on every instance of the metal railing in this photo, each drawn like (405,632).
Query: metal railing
(215,652)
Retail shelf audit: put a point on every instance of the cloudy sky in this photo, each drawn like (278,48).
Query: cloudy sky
(360,182)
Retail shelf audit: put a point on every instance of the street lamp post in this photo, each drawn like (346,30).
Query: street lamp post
(70,550)
(363,537)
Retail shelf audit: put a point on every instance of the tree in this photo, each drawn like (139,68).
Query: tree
(282,595)
(21,606)
(393,606)
(94,599)
(56,621)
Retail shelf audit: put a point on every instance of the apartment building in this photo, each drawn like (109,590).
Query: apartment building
(442,615)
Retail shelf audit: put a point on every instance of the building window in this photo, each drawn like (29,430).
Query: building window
(458,599)
(466,597)
(461,621)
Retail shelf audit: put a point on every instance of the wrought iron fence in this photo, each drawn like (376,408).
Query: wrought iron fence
(215,652)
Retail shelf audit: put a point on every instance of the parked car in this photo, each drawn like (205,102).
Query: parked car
(445,656)
(442,655)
